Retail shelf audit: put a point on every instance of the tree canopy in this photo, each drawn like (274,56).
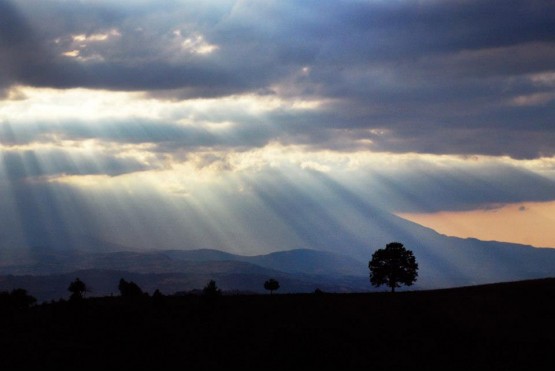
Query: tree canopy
(211,289)
(129,289)
(17,299)
(271,285)
(393,266)
(77,289)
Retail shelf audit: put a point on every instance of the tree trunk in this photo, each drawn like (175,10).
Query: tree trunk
(392,288)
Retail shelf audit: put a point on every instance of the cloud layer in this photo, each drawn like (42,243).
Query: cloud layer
(245,110)
(469,77)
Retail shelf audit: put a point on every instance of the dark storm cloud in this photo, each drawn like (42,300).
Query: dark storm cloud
(431,76)
(145,55)
(408,28)
(17,44)
(260,38)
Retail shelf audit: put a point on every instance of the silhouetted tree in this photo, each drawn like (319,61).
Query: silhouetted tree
(129,289)
(77,289)
(21,299)
(211,289)
(17,299)
(271,285)
(158,298)
(393,266)
(157,294)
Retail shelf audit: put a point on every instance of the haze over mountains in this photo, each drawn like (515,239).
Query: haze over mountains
(340,266)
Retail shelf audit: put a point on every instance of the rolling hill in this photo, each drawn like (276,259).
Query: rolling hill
(505,326)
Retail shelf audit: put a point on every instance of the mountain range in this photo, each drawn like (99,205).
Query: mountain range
(341,266)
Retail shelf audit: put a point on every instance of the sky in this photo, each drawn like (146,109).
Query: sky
(229,124)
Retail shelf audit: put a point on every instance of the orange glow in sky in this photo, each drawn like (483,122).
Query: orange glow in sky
(526,223)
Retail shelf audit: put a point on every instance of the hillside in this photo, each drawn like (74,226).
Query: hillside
(494,327)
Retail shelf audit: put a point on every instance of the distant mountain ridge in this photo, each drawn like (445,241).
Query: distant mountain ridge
(190,261)
(301,270)
(333,253)
(173,270)
(291,261)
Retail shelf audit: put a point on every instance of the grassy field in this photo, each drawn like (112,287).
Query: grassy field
(492,327)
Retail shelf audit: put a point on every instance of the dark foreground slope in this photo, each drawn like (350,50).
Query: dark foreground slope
(494,327)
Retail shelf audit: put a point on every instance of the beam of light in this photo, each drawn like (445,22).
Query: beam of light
(38,210)
(378,225)
(135,177)
(11,232)
(73,155)
(245,202)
